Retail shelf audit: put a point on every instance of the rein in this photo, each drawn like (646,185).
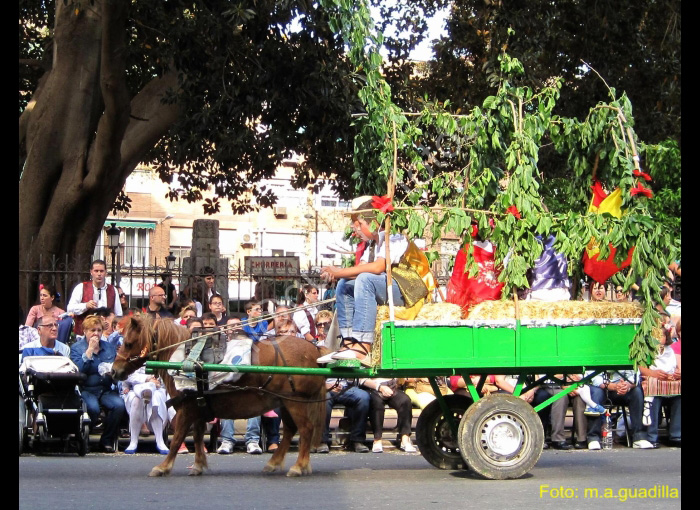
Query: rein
(232,327)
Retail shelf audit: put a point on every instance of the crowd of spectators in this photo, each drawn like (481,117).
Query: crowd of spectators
(142,397)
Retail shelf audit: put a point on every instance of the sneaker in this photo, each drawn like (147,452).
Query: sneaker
(594,445)
(594,411)
(377,447)
(322,448)
(642,443)
(225,448)
(253,448)
(408,447)
(183,449)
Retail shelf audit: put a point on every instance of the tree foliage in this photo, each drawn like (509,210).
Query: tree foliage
(491,171)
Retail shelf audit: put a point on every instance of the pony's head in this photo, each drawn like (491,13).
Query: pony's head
(139,339)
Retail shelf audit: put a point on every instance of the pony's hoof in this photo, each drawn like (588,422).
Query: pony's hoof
(157,472)
(271,468)
(297,471)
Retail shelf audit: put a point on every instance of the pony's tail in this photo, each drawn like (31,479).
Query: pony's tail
(317,415)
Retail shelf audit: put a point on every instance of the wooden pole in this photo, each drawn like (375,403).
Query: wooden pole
(387,231)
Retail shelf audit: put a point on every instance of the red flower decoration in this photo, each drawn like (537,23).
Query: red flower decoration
(41,286)
(639,173)
(514,211)
(599,193)
(382,203)
(641,190)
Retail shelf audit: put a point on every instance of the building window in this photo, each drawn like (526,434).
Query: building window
(136,247)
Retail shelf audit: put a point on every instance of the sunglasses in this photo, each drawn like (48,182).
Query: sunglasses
(619,290)
(322,324)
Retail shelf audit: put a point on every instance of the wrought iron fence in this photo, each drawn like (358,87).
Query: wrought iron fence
(135,280)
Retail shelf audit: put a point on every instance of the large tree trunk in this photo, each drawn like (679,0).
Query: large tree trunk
(82,135)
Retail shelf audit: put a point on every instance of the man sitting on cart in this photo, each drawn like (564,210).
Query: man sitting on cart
(362,287)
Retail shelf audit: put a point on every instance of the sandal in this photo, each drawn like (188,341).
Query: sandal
(350,348)
(646,415)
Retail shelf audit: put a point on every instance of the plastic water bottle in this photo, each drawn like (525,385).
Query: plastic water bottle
(606,432)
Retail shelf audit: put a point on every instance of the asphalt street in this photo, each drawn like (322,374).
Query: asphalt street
(622,477)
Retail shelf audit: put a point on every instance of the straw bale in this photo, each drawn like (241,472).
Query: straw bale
(556,310)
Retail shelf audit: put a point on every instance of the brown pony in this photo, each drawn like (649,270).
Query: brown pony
(301,398)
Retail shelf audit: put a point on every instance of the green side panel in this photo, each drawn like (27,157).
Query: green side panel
(538,346)
(447,347)
(553,346)
(596,344)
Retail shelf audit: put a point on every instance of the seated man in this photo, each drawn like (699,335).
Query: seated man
(47,344)
(356,402)
(622,388)
(88,353)
(364,286)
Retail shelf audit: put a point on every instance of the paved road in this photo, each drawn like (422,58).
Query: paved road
(348,481)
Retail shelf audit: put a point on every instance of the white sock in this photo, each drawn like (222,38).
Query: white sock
(157,426)
(585,393)
(135,422)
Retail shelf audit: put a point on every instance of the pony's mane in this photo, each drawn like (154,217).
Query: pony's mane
(168,333)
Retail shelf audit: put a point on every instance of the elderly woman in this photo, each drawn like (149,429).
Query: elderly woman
(94,357)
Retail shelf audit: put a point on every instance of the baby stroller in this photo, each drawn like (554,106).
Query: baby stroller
(51,408)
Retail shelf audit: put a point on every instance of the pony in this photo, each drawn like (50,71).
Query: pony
(301,398)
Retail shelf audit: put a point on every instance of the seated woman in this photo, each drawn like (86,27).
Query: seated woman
(661,381)
(323,324)
(92,355)
(47,297)
(421,392)
(144,397)
(386,391)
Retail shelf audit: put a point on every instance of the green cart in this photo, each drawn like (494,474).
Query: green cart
(497,436)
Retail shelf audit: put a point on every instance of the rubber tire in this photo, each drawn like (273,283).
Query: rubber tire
(84,441)
(508,412)
(22,424)
(433,436)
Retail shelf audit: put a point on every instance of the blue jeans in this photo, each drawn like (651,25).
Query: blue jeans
(114,409)
(674,427)
(252,432)
(356,402)
(356,304)
(634,399)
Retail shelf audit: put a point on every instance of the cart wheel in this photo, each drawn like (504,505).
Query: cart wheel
(84,440)
(501,437)
(22,424)
(435,440)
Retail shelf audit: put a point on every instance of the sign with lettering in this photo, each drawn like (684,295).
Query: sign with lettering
(272,266)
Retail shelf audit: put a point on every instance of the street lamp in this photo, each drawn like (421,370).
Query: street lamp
(113,240)
(170,262)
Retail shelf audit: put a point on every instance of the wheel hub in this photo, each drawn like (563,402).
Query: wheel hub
(501,437)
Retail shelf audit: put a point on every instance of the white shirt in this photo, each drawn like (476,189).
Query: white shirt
(398,244)
(76,306)
(666,361)
(302,321)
